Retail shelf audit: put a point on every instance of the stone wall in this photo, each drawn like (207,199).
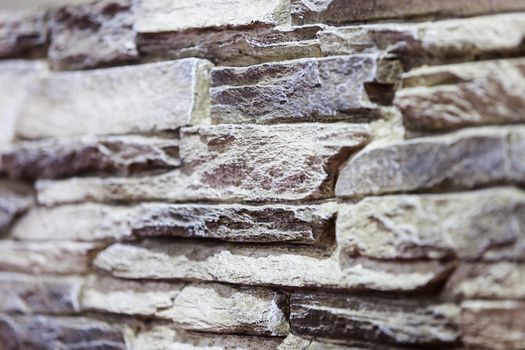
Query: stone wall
(263,174)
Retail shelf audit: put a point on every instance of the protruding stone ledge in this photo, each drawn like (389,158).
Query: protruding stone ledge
(483,224)
(312,224)
(351,11)
(221,308)
(59,257)
(463,160)
(116,155)
(165,15)
(274,266)
(52,333)
(15,199)
(493,324)
(32,294)
(92,35)
(431,43)
(233,163)
(333,88)
(23,33)
(170,95)
(502,280)
(238,46)
(386,321)
(470,94)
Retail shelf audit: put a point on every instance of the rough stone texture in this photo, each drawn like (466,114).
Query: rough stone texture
(348,11)
(233,163)
(59,257)
(16,76)
(166,15)
(255,44)
(39,332)
(94,34)
(170,95)
(15,199)
(118,155)
(495,325)
(278,266)
(405,322)
(165,337)
(23,33)
(431,43)
(220,308)
(32,294)
(502,280)
(334,88)
(485,224)
(467,94)
(463,160)
(268,223)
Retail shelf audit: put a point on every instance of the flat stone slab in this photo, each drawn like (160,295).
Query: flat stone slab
(384,321)
(58,257)
(103,155)
(345,11)
(237,46)
(479,280)
(254,163)
(91,35)
(463,160)
(220,308)
(166,15)
(60,332)
(469,94)
(170,95)
(482,224)
(292,267)
(23,33)
(332,88)
(27,294)
(312,224)
(431,43)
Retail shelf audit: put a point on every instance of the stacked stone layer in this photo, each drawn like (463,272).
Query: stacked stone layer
(284,174)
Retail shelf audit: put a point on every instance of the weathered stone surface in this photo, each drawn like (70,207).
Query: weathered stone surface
(166,15)
(503,280)
(58,158)
(293,342)
(465,159)
(495,325)
(220,308)
(95,34)
(431,43)
(348,11)
(58,333)
(166,337)
(22,33)
(275,266)
(333,88)
(59,257)
(28,294)
(243,223)
(242,46)
(233,163)
(16,77)
(468,94)
(15,199)
(107,101)
(483,224)
(395,321)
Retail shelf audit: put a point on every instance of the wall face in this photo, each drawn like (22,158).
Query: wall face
(336,174)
